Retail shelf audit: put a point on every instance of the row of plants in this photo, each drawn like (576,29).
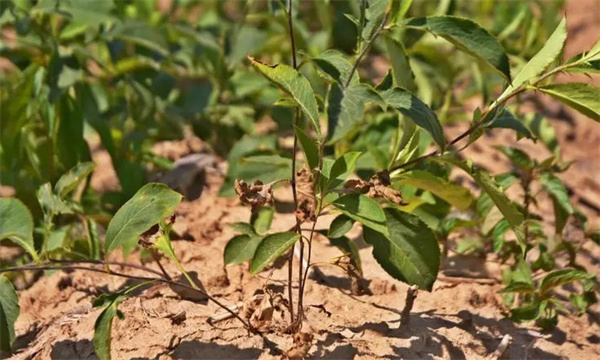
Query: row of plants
(375,152)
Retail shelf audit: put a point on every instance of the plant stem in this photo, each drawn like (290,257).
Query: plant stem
(366,48)
(411,295)
(293,180)
(66,266)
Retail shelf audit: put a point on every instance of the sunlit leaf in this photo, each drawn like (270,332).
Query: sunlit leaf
(363,209)
(16,224)
(71,180)
(448,191)
(271,248)
(240,249)
(584,98)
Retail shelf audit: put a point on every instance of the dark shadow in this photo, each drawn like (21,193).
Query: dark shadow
(69,349)
(284,207)
(346,351)
(195,349)
(22,342)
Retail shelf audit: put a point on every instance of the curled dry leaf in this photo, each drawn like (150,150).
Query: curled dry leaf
(378,186)
(260,310)
(256,195)
(301,347)
(306,195)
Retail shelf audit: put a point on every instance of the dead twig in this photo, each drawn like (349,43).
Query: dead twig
(502,347)
(411,295)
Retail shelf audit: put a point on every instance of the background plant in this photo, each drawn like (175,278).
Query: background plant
(128,74)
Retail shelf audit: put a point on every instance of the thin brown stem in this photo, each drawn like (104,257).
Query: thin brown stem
(366,48)
(51,266)
(293,180)
(156,258)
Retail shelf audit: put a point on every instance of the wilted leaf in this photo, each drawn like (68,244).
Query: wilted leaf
(468,37)
(296,86)
(335,64)
(410,252)
(310,148)
(350,249)
(147,207)
(403,76)
(71,180)
(410,106)
(560,198)
(16,224)
(561,277)
(347,107)
(9,311)
(448,191)
(272,247)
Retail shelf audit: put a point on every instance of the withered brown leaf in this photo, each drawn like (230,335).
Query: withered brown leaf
(256,195)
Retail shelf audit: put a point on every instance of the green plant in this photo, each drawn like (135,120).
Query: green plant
(382,159)
(403,227)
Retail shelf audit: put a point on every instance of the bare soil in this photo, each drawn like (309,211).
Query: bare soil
(462,318)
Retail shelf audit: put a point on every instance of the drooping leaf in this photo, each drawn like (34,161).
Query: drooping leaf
(295,85)
(261,220)
(103,325)
(243,228)
(340,226)
(399,9)
(271,248)
(560,198)
(309,147)
(142,34)
(410,106)
(403,76)
(410,252)
(16,224)
(52,203)
(85,12)
(374,16)
(453,193)
(528,312)
(346,108)
(561,277)
(266,168)
(152,203)
(507,120)
(406,145)
(584,98)
(240,249)
(350,249)
(363,209)
(341,168)
(335,64)
(539,62)
(468,37)
(71,180)
(9,312)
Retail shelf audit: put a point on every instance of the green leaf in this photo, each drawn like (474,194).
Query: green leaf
(346,107)
(243,228)
(468,37)
(455,194)
(519,287)
(295,85)
(103,325)
(584,98)
(310,148)
(363,209)
(262,219)
(71,180)
(496,193)
(16,224)
(52,203)
(271,248)
(410,106)
(88,12)
(507,120)
(528,312)
(560,198)
(374,16)
(403,76)
(142,34)
(335,65)
(539,62)
(340,226)
(341,168)
(241,248)
(561,277)
(410,252)
(407,143)
(147,207)
(9,312)
(399,9)
(350,249)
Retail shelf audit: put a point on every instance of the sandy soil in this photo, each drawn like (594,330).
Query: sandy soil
(462,318)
